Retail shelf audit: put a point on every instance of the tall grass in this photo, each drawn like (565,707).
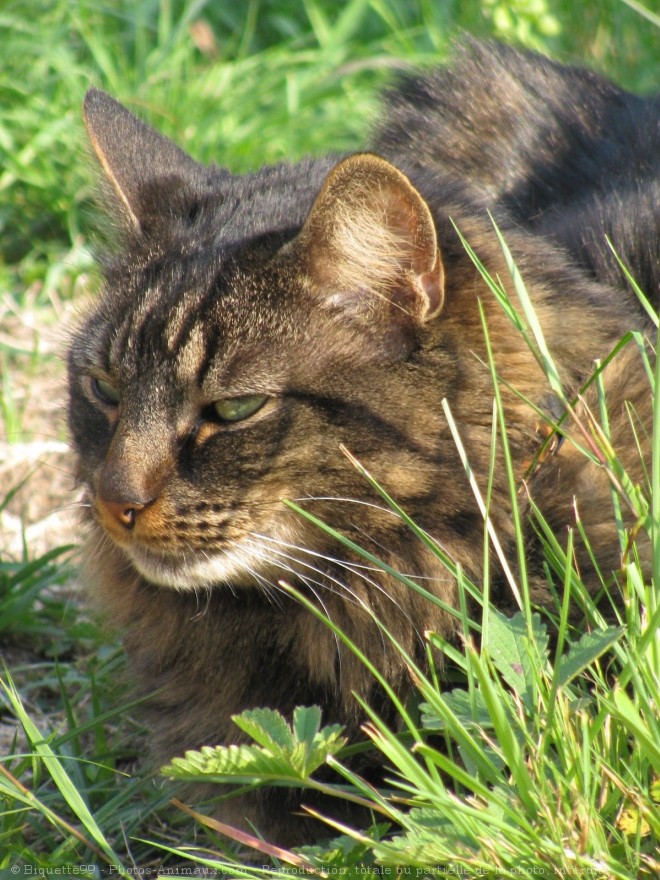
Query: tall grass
(537,760)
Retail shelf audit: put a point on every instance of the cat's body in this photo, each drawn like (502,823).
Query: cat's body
(564,152)
(252,326)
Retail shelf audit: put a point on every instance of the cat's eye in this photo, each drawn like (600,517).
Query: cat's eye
(106,391)
(235,409)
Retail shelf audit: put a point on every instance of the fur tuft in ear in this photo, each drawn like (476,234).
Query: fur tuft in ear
(138,161)
(371,232)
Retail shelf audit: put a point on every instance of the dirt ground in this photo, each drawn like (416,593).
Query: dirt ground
(37,492)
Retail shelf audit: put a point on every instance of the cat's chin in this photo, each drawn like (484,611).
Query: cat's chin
(254,559)
(237,568)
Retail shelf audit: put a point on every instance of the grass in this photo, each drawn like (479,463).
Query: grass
(539,760)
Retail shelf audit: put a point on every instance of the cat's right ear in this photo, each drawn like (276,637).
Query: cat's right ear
(144,167)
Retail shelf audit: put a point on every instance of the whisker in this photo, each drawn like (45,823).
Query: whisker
(334,585)
(382,508)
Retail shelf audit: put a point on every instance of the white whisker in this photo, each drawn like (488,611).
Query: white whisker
(334,585)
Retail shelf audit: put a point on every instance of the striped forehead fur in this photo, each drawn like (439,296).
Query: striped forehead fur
(132,328)
(191,355)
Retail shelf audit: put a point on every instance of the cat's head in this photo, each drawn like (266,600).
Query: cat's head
(249,327)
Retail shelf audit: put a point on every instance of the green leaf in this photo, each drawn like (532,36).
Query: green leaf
(469,709)
(306,723)
(588,648)
(266,727)
(342,853)
(232,764)
(430,838)
(510,650)
(284,755)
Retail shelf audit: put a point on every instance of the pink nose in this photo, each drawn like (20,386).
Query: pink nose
(123,511)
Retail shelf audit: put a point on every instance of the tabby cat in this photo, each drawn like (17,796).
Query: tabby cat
(253,327)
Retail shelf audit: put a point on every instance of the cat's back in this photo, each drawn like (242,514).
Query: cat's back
(520,128)
(561,150)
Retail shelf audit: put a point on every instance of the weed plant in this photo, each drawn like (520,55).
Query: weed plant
(533,757)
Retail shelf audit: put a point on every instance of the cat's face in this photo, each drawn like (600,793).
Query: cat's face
(243,336)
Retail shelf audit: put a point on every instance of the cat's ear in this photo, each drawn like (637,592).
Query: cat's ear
(142,165)
(370,233)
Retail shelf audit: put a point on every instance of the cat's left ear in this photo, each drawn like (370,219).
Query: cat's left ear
(370,239)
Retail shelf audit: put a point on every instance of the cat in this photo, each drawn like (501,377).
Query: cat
(253,327)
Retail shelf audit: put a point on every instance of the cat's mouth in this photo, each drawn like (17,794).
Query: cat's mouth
(256,559)
(190,571)
(177,564)
(237,559)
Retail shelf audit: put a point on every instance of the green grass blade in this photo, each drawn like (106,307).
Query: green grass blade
(60,776)
(508,572)
(547,361)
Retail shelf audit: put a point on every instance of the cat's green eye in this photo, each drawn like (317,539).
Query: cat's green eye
(106,391)
(235,409)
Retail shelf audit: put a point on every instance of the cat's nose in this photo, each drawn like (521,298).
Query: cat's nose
(124,512)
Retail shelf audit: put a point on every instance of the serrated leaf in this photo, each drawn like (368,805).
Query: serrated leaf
(469,709)
(655,792)
(588,648)
(471,713)
(231,764)
(298,758)
(306,723)
(632,823)
(279,756)
(427,817)
(266,727)
(428,840)
(343,853)
(509,648)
